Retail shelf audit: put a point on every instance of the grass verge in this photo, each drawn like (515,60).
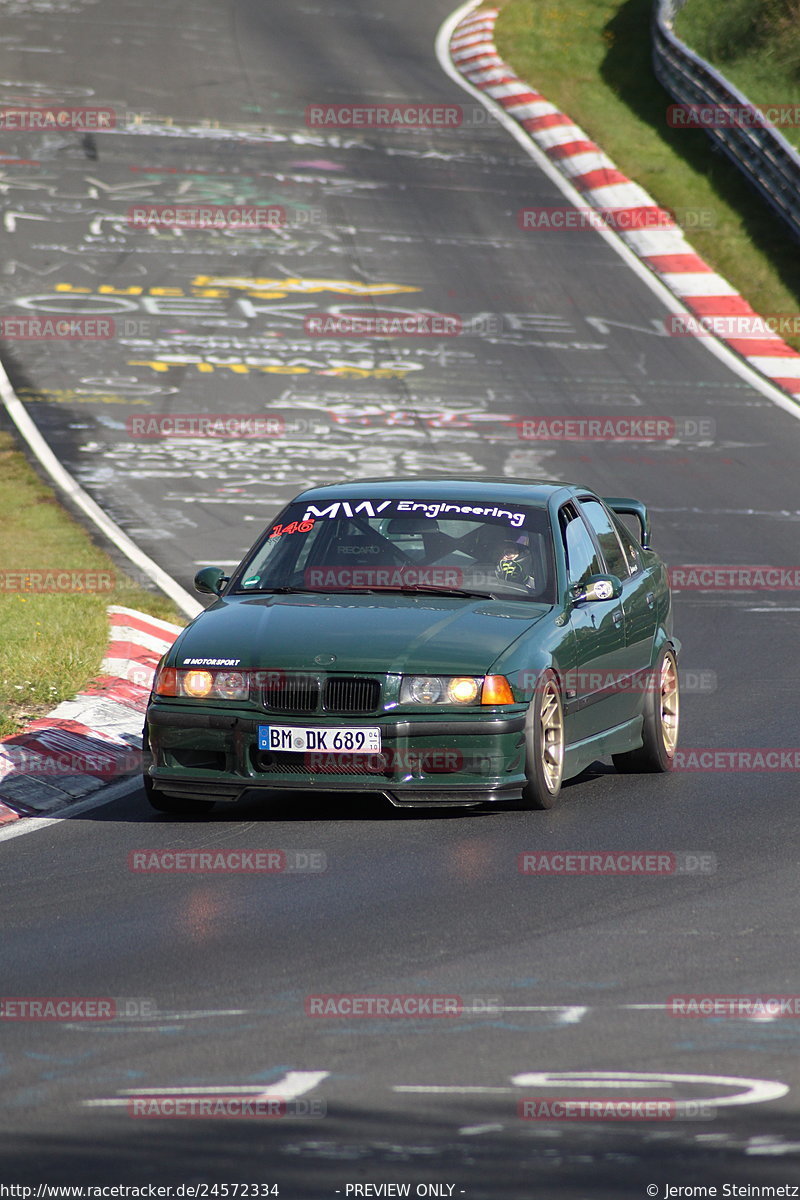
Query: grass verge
(756,45)
(52,642)
(592,58)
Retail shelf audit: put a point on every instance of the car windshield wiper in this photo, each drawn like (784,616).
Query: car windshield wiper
(288,589)
(421,588)
(427,589)
(282,590)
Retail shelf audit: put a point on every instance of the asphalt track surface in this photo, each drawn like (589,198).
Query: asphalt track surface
(575,971)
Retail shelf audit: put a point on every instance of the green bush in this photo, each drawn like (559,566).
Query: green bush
(720,32)
(735,30)
(782,34)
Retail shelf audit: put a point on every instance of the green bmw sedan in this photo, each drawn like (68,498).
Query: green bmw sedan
(438,641)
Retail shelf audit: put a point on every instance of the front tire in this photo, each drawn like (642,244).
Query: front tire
(660,724)
(544,745)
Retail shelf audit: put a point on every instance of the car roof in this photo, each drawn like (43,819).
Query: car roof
(534,492)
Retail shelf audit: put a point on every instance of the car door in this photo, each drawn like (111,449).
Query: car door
(599,637)
(638,598)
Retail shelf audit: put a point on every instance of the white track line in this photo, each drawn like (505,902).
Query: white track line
(290,1087)
(73,490)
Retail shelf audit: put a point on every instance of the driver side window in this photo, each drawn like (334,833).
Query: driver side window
(607,536)
(582,557)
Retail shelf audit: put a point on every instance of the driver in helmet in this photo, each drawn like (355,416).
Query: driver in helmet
(506,555)
(515,565)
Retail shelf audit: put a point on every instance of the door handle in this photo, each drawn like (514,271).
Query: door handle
(650,598)
(617,617)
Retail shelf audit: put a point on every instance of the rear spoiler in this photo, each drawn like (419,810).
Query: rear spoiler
(632,508)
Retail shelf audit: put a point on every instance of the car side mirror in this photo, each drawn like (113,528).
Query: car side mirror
(597,587)
(210,580)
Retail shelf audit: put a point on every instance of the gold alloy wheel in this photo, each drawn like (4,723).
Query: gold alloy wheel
(670,704)
(552,744)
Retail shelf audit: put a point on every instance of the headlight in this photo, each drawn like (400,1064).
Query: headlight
(232,685)
(456,689)
(438,689)
(421,689)
(202,685)
(463,691)
(197,683)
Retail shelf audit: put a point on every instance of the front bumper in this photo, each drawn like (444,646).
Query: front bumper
(460,759)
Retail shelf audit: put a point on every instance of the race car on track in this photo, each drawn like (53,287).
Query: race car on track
(438,641)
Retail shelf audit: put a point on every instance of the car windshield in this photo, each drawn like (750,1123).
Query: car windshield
(463,548)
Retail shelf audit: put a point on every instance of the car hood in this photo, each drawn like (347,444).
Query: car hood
(376,635)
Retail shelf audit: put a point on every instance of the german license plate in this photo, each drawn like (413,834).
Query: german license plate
(341,739)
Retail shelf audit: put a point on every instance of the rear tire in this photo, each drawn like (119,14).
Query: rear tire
(544,745)
(660,724)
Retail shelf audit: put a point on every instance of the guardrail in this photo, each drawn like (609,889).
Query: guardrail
(751,142)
